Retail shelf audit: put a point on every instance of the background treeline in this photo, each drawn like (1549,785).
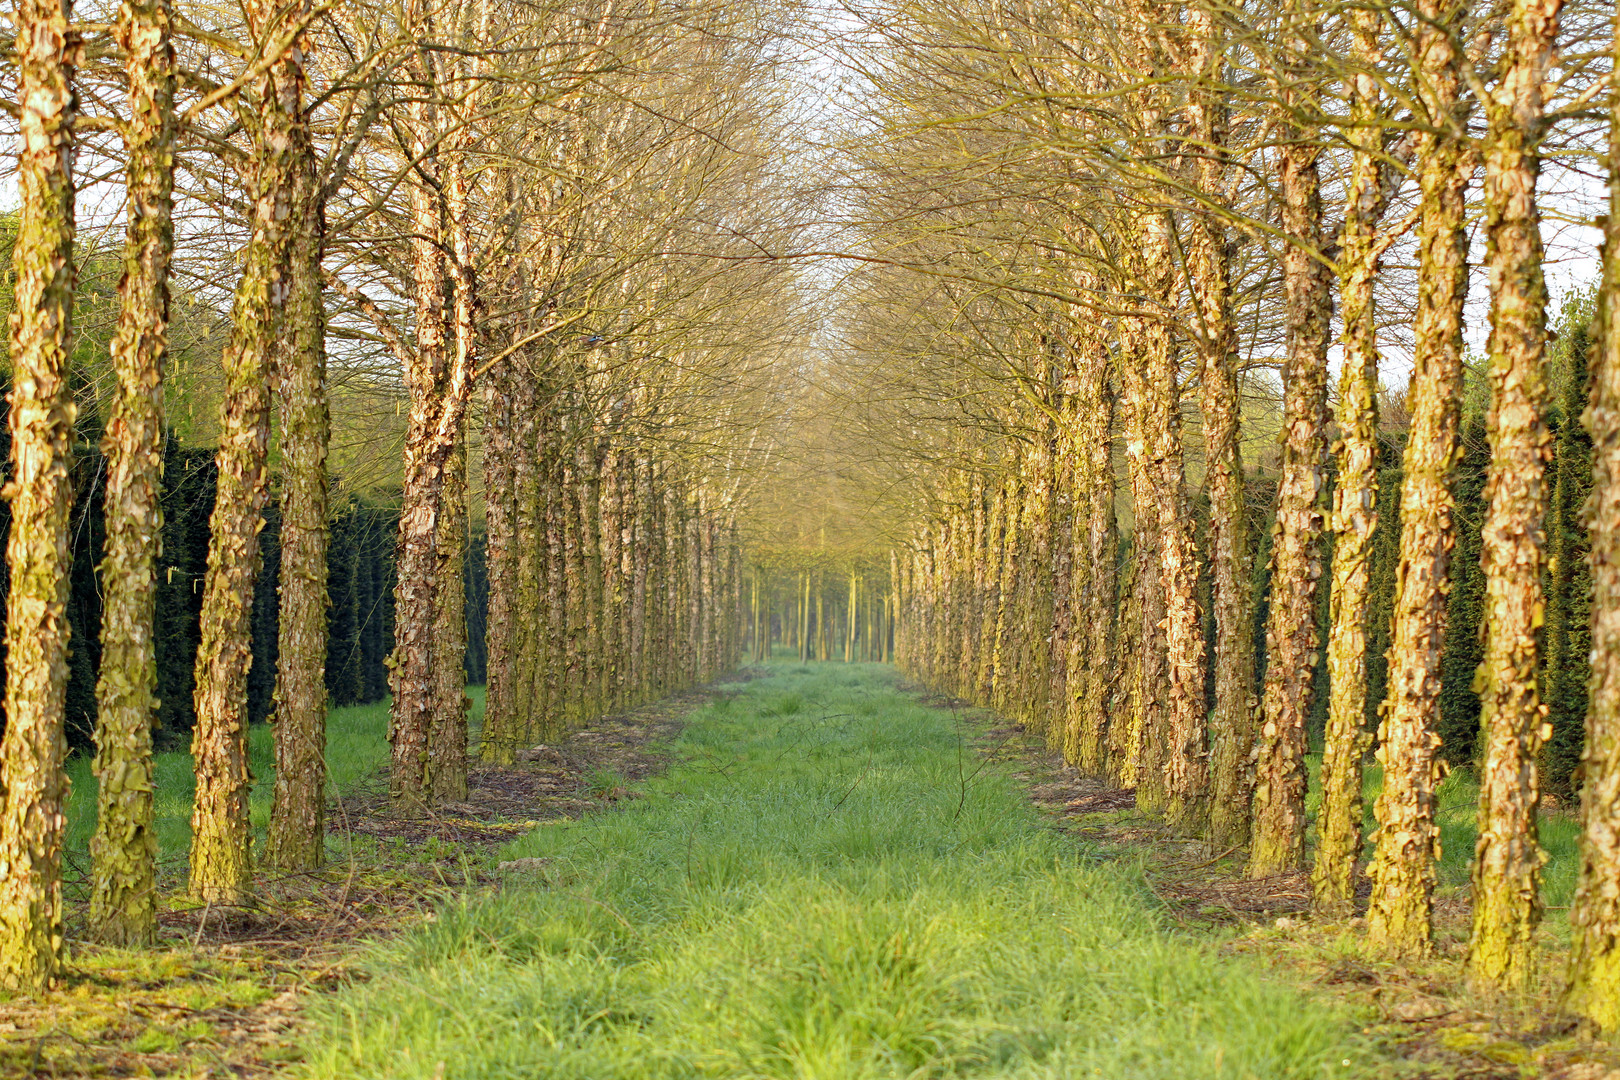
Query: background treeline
(829,609)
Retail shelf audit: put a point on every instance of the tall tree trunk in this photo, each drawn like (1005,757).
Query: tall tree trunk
(587,477)
(1231,725)
(447,740)
(1098,540)
(297,835)
(123,904)
(1185,753)
(1403,870)
(1277,844)
(553,681)
(989,597)
(1142,756)
(1507,858)
(32,784)
(642,576)
(1593,988)
(502,559)
(221,835)
(1355,499)
(412,673)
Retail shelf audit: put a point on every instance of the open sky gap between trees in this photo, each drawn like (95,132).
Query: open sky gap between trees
(1227,393)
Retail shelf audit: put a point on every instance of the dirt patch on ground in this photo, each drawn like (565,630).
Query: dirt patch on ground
(1421,1016)
(220,993)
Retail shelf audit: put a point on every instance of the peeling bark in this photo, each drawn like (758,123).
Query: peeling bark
(1408,838)
(1507,857)
(41,494)
(1355,499)
(1277,841)
(297,834)
(1593,987)
(221,857)
(123,851)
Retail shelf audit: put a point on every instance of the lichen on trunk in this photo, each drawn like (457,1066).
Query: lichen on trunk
(123,851)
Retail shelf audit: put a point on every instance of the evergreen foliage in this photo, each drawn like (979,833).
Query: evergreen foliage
(1566,655)
(1465,605)
(1386,555)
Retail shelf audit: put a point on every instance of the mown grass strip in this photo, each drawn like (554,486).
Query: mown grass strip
(827,887)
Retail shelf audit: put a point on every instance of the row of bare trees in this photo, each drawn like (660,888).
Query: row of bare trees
(1138,239)
(517,227)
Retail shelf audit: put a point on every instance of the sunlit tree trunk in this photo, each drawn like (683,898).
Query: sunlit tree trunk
(502,558)
(1231,726)
(990,596)
(1142,749)
(41,494)
(1507,858)
(297,834)
(412,674)
(587,474)
(614,560)
(221,864)
(446,778)
(1092,655)
(1403,869)
(1277,841)
(1186,731)
(446,765)
(123,851)
(1355,498)
(1593,988)
(641,577)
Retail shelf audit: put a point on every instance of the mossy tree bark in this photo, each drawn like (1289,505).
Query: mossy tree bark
(1507,857)
(1403,869)
(1593,987)
(1355,496)
(502,557)
(1278,828)
(297,834)
(32,783)
(1101,552)
(123,851)
(1231,724)
(221,835)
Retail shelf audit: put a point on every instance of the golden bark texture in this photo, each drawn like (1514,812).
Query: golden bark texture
(1231,724)
(1507,857)
(499,742)
(1278,827)
(1593,988)
(32,783)
(123,851)
(297,835)
(1185,753)
(426,454)
(1355,499)
(1140,739)
(1408,838)
(221,835)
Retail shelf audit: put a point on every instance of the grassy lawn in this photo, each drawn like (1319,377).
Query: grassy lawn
(829,884)
(356,752)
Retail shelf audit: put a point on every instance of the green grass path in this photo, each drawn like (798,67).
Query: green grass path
(827,885)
